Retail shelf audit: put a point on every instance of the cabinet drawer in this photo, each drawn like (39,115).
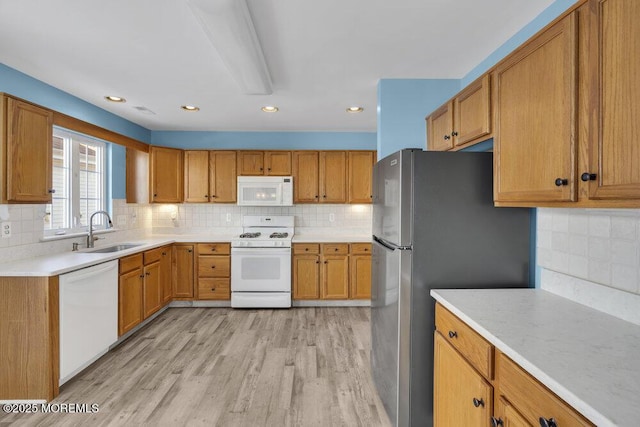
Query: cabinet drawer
(306,248)
(130,263)
(153,255)
(213,266)
(532,399)
(213,249)
(335,249)
(216,289)
(471,345)
(361,248)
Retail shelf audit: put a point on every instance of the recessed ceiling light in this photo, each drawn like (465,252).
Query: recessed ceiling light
(355,109)
(114,98)
(269,109)
(190,108)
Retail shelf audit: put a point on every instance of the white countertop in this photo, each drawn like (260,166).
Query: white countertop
(64,262)
(588,358)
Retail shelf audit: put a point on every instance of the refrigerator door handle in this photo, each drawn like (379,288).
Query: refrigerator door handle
(390,245)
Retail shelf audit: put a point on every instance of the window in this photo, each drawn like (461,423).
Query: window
(79,176)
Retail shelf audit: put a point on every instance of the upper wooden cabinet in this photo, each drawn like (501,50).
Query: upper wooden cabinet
(570,139)
(360,176)
(137,171)
(274,163)
(535,128)
(306,174)
(613,87)
(210,176)
(333,177)
(26,133)
(464,120)
(166,175)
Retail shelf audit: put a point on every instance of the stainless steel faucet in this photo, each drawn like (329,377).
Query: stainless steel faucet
(90,238)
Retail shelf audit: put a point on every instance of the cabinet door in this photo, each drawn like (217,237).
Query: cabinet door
(360,276)
(461,396)
(183,271)
(196,176)
(223,176)
(614,150)
(165,275)
(509,416)
(440,125)
(27,153)
(535,131)
(335,277)
(151,290)
(250,163)
(361,176)
(277,163)
(333,177)
(129,300)
(166,175)
(472,108)
(306,277)
(305,176)
(137,176)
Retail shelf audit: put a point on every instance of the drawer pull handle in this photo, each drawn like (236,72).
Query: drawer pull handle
(548,422)
(478,402)
(495,422)
(453,334)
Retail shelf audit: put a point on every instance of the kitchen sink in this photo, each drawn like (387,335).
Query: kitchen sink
(115,248)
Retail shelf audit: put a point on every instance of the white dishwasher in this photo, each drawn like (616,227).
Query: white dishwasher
(88,316)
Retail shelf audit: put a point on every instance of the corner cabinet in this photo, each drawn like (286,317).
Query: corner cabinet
(535,132)
(166,175)
(26,133)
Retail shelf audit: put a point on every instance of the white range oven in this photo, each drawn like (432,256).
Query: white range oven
(261,262)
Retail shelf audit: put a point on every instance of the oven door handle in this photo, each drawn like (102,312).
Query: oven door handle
(261,251)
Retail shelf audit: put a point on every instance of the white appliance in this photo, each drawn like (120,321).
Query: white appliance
(261,262)
(88,316)
(265,191)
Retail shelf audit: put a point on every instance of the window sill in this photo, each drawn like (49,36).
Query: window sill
(74,235)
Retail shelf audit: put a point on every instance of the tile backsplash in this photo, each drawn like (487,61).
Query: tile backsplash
(601,246)
(137,220)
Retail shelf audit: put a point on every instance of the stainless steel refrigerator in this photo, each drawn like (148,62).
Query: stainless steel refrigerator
(434,226)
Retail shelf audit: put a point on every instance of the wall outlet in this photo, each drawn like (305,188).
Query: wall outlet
(332,217)
(5,229)
(228,217)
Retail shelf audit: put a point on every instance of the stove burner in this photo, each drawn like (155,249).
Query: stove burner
(250,235)
(278,235)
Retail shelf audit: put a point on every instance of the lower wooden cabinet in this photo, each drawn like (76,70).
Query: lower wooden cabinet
(214,271)
(463,396)
(466,386)
(130,293)
(183,271)
(331,271)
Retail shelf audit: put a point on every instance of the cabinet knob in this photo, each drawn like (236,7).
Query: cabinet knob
(155,195)
(495,422)
(164,254)
(317,262)
(561,181)
(189,250)
(447,137)
(335,249)
(316,196)
(325,196)
(261,169)
(213,266)
(453,334)
(213,196)
(325,262)
(147,274)
(306,249)
(588,176)
(213,289)
(478,402)
(269,169)
(52,191)
(547,422)
(142,276)
(213,249)
(454,133)
(206,196)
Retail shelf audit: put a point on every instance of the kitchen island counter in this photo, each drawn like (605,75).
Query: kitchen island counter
(586,357)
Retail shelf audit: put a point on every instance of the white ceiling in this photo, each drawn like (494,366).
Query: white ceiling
(323,55)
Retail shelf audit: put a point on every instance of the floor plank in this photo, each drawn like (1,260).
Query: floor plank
(225,367)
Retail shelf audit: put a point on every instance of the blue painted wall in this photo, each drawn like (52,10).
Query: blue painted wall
(266,140)
(402,106)
(26,87)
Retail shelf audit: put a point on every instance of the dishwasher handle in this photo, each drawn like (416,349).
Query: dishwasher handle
(90,271)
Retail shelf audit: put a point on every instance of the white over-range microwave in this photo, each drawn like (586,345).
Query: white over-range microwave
(265,191)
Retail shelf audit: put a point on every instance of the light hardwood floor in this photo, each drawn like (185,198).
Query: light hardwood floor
(224,367)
